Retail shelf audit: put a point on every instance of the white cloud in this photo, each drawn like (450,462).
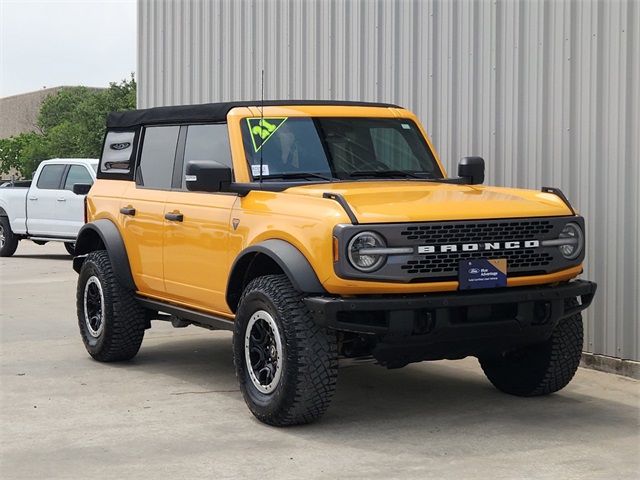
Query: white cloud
(73,42)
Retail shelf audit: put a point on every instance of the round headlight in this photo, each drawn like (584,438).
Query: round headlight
(359,258)
(575,241)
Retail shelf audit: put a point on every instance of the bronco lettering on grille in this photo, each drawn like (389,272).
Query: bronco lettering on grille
(473,247)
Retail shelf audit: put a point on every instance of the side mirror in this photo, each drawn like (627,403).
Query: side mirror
(207,176)
(81,188)
(471,170)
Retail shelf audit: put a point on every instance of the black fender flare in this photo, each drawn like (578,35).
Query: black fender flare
(107,232)
(290,260)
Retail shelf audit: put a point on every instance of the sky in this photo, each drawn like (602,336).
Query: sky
(48,43)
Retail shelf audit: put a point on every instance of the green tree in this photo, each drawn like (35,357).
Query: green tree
(71,123)
(23,152)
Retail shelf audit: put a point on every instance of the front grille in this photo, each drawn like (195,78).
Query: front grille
(443,266)
(478,232)
(447,263)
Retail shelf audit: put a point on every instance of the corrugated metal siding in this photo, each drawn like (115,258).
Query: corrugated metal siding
(546,91)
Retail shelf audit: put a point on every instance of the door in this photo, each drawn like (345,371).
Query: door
(43,201)
(70,207)
(141,216)
(196,234)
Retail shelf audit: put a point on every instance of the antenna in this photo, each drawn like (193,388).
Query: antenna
(261,119)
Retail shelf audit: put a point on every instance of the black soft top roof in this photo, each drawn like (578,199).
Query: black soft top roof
(209,112)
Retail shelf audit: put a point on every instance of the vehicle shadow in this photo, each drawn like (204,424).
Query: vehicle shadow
(425,398)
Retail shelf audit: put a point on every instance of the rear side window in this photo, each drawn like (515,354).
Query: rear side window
(158,154)
(117,152)
(77,174)
(50,177)
(206,142)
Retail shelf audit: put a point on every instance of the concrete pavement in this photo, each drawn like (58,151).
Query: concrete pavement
(175,411)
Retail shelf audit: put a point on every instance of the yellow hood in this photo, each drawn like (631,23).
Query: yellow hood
(411,201)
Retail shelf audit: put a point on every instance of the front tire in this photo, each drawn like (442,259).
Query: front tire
(8,240)
(285,363)
(539,369)
(111,321)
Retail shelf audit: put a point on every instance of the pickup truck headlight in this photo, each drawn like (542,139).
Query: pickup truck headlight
(573,241)
(362,251)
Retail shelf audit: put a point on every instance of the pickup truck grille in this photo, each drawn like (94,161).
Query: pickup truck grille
(439,247)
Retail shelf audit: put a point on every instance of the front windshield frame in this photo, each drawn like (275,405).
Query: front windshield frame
(418,147)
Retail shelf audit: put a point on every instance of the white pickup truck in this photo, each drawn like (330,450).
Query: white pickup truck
(51,209)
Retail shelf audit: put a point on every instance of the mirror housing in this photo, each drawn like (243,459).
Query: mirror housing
(471,170)
(81,188)
(207,176)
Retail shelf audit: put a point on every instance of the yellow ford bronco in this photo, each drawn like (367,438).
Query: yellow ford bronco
(318,231)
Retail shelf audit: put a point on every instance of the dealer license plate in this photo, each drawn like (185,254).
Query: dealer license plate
(482,273)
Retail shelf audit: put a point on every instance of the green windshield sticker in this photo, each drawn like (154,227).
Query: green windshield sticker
(263,128)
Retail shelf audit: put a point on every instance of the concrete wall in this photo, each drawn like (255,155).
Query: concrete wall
(19,113)
(548,92)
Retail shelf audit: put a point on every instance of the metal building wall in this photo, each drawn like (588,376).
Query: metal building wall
(546,91)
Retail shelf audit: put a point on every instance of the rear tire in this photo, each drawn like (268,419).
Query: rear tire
(71,248)
(539,369)
(285,363)
(111,321)
(8,240)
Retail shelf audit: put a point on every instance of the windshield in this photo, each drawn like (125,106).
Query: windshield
(336,148)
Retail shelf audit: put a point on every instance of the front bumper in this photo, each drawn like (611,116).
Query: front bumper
(455,324)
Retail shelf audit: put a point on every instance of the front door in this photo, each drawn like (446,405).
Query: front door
(70,210)
(196,234)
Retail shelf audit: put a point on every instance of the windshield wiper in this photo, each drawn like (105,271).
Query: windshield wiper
(385,173)
(293,175)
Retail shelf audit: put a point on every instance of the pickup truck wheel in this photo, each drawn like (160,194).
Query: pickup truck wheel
(8,240)
(70,247)
(111,321)
(286,364)
(539,369)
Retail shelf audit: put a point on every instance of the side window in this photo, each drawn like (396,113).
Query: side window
(117,152)
(207,142)
(158,154)
(77,174)
(50,177)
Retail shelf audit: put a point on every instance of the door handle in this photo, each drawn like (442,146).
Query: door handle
(128,211)
(62,199)
(174,217)
(33,198)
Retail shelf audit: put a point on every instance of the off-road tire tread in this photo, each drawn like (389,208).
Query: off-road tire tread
(126,322)
(565,350)
(312,349)
(10,239)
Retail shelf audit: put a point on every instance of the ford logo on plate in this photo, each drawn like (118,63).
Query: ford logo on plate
(120,146)
(474,271)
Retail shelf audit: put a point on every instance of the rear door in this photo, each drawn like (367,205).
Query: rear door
(141,216)
(70,211)
(196,233)
(43,202)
